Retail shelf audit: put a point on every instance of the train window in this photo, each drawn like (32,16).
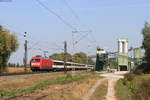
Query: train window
(58,63)
(35,60)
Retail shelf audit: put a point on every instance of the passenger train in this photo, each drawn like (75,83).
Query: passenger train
(39,63)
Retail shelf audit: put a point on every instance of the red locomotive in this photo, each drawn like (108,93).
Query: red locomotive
(39,63)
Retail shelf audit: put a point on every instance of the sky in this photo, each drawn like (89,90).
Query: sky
(102,23)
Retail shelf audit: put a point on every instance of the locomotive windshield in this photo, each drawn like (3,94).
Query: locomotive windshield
(35,60)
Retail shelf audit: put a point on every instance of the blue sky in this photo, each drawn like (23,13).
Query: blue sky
(108,20)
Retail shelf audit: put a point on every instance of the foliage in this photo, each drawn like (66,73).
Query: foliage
(136,87)
(146,46)
(57,56)
(143,92)
(80,57)
(123,92)
(14,65)
(129,76)
(138,71)
(90,61)
(8,44)
(112,63)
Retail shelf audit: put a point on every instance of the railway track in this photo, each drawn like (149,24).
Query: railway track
(23,73)
(28,73)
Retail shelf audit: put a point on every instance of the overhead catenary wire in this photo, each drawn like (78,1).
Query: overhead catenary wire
(72,11)
(20,36)
(68,24)
(78,19)
(74,14)
(83,36)
(54,13)
(59,17)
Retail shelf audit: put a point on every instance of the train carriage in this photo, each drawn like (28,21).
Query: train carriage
(39,63)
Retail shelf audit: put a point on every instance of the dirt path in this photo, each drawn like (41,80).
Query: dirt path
(112,79)
(111,89)
(92,90)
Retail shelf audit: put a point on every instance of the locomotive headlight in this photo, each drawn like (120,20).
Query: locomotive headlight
(35,64)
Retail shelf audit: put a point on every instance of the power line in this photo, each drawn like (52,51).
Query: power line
(54,13)
(81,38)
(84,36)
(72,11)
(76,16)
(34,45)
(78,19)
(59,17)
(20,35)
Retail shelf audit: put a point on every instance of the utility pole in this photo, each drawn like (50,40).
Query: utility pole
(26,50)
(88,52)
(65,56)
(73,47)
(73,42)
(87,60)
(45,53)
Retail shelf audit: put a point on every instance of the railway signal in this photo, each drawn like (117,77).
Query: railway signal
(65,56)
(26,50)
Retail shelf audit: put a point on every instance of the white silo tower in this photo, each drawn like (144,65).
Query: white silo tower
(122,54)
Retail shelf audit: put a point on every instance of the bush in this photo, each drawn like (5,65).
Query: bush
(138,71)
(129,76)
(124,81)
(143,92)
(144,67)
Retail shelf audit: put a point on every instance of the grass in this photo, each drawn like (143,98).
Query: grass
(61,80)
(126,89)
(16,69)
(15,81)
(100,92)
(19,80)
(123,92)
(71,91)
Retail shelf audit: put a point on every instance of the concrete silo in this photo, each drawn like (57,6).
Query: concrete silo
(122,54)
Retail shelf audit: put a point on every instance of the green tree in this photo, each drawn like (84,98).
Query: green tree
(60,56)
(146,46)
(8,44)
(112,63)
(80,57)
(90,61)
